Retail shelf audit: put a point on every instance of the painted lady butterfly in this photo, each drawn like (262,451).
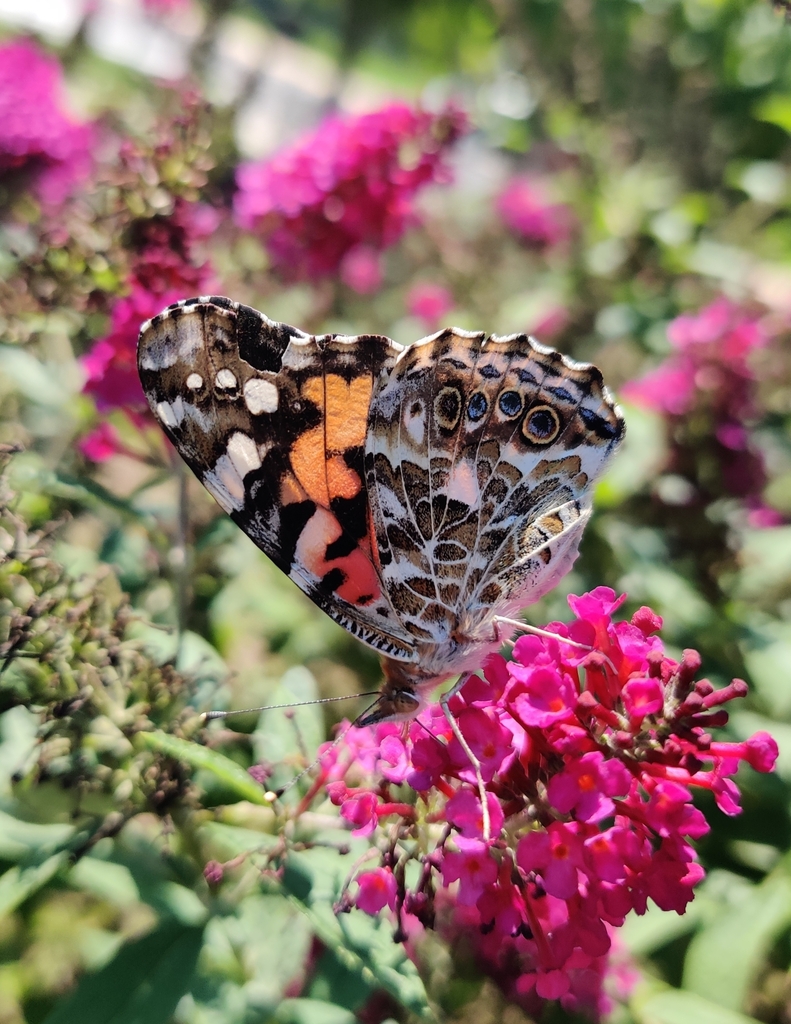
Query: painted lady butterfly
(420,495)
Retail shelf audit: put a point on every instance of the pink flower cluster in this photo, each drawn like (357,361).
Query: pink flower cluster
(164,270)
(589,758)
(38,138)
(345,189)
(526,210)
(710,373)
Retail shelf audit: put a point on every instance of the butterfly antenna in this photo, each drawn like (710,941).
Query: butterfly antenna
(277,793)
(209,716)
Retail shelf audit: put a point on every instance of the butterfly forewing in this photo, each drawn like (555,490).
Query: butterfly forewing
(273,422)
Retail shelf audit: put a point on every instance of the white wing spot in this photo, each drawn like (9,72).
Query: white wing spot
(225,482)
(225,379)
(261,396)
(415,422)
(171,414)
(243,453)
(188,331)
(194,381)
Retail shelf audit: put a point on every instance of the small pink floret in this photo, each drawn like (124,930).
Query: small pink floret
(472,867)
(377,890)
(643,697)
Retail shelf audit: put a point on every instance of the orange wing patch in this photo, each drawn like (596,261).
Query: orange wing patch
(316,456)
(307,460)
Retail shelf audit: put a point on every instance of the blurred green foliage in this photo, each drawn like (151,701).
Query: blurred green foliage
(665,126)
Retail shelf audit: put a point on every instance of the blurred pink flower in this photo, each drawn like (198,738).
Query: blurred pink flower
(361,270)
(101,443)
(111,365)
(164,270)
(551,323)
(429,302)
(589,758)
(669,389)
(213,872)
(710,373)
(713,347)
(159,7)
(37,135)
(526,210)
(762,517)
(351,182)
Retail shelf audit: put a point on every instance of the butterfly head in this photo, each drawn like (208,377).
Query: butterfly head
(392,706)
(404,694)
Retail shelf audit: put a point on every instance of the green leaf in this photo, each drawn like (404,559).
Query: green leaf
(765,556)
(227,771)
(640,460)
(311,1011)
(674,1006)
(767,659)
(18,731)
(29,474)
(20,883)
(776,109)
(750,926)
(141,985)
(673,596)
(645,934)
(282,737)
(108,881)
(42,383)
(229,841)
(116,884)
(19,839)
(362,944)
(333,982)
(263,945)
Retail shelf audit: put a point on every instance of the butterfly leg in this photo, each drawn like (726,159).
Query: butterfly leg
(476,764)
(525,627)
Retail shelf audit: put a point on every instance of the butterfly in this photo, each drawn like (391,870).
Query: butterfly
(420,495)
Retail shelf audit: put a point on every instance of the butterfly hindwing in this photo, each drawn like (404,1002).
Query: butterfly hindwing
(273,422)
(480,457)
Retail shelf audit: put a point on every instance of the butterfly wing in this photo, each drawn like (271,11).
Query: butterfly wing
(273,422)
(480,457)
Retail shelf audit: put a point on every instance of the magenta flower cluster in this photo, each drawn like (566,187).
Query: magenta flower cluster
(333,201)
(589,757)
(525,209)
(709,372)
(38,138)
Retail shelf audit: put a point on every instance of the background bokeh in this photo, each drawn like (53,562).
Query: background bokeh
(612,176)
